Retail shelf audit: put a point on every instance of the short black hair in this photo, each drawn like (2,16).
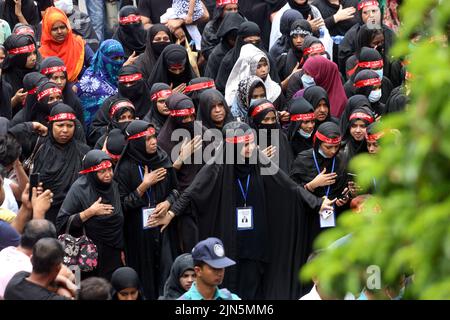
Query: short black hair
(10,150)
(35,230)
(95,288)
(47,254)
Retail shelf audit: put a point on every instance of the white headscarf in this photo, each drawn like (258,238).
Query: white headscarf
(246,66)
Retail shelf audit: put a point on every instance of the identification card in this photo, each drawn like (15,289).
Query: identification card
(327,219)
(244,218)
(146,213)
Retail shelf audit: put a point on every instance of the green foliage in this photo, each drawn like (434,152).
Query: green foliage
(411,232)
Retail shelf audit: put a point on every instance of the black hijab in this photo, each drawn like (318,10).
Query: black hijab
(104,229)
(130,33)
(147,60)
(173,54)
(353,147)
(307,43)
(294,55)
(354,102)
(59,164)
(158,90)
(314,95)
(51,65)
(282,45)
(362,86)
(125,277)
(138,93)
(41,109)
(29,11)
(136,149)
(208,99)
(172,288)
(13,67)
(304,9)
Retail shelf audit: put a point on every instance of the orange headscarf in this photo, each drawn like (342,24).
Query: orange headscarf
(71,51)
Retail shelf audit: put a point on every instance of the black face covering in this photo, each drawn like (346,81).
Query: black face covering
(158,47)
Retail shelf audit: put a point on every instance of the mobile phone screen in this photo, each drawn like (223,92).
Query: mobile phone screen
(34,182)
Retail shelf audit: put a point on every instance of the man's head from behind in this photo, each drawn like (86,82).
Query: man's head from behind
(47,257)
(210,261)
(95,288)
(35,230)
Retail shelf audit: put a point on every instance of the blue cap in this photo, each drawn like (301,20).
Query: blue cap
(212,252)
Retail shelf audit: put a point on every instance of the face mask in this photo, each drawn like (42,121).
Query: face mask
(251,101)
(268,126)
(158,47)
(307,81)
(64,5)
(375,95)
(305,135)
(323,154)
(380,73)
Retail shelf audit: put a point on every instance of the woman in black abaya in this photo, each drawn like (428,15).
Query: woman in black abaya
(29,11)
(59,159)
(213,110)
(369,84)
(159,112)
(130,33)
(263,118)
(320,171)
(55,70)
(158,37)
(267,265)
(146,180)
(318,98)
(301,127)
(93,203)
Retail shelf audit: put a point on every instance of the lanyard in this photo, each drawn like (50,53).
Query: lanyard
(149,190)
(244,194)
(318,169)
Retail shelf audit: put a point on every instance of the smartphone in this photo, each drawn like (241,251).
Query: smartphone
(344,195)
(34,182)
(351,176)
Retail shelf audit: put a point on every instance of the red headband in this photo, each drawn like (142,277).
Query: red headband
(25,49)
(200,86)
(122,104)
(262,107)
(182,112)
(364,4)
(374,137)
(112,156)
(32,91)
(303,117)
(242,139)
(368,82)
(50,70)
(62,117)
(371,64)
(310,50)
(221,3)
(362,116)
(48,92)
(161,94)
(130,77)
(325,139)
(105,164)
(132,18)
(150,131)
(25,31)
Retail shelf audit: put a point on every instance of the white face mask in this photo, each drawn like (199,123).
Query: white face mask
(375,95)
(307,81)
(64,5)
(304,134)
(380,73)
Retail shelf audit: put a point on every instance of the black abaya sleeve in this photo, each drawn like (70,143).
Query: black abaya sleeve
(130,199)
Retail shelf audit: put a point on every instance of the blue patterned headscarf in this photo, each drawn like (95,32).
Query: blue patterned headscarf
(100,80)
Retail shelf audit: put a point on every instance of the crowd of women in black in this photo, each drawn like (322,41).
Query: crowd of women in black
(300,92)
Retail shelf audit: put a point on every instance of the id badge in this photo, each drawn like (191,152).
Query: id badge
(327,219)
(244,218)
(146,213)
